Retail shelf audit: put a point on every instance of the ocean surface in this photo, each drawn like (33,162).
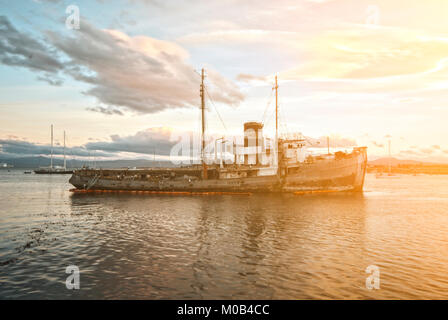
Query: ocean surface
(224,247)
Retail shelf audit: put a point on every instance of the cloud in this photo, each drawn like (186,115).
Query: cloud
(107,111)
(410,152)
(51,79)
(145,142)
(338,55)
(426,150)
(139,73)
(149,141)
(335,142)
(21,50)
(361,52)
(428,154)
(377,144)
(53,1)
(244,77)
(17,148)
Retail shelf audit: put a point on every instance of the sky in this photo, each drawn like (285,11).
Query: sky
(126,81)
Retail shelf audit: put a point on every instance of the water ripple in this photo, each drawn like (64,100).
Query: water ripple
(258,247)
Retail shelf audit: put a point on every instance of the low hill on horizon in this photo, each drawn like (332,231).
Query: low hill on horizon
(395,162)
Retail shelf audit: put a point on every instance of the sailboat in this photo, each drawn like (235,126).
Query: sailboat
(54,169)
(389,173)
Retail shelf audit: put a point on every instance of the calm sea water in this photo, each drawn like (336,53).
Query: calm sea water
(230,247)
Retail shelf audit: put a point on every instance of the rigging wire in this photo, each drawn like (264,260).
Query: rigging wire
(269,118)
(69,150)
(267,106)
(283,123)
(213,103)
(216,109)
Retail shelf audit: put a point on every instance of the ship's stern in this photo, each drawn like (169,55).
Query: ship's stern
(76,180)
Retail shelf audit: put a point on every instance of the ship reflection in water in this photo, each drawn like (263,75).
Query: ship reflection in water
(250,247)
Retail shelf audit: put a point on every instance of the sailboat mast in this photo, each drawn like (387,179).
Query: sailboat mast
(389,158)
(276,110)
(51,154)
(204,166)
(65,162)
(276,122)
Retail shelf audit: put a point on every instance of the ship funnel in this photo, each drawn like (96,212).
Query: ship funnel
(253,140)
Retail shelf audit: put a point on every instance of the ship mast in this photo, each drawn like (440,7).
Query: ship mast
(204,165)
(276,120)
(276,110)
(65,162)
(390,158)
(51,155)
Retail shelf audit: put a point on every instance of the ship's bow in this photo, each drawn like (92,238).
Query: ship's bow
(361,153)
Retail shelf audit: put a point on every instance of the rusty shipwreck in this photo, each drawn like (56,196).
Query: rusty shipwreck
(279,166)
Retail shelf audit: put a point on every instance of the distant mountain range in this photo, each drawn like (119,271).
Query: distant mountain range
(394,162)
(413,167)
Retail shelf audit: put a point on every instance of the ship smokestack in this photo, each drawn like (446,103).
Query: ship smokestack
(253,137)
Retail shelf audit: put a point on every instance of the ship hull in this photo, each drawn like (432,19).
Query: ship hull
(344,174)
(255,184)
(53,172)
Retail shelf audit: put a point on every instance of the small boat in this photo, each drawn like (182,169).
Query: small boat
(27,172)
